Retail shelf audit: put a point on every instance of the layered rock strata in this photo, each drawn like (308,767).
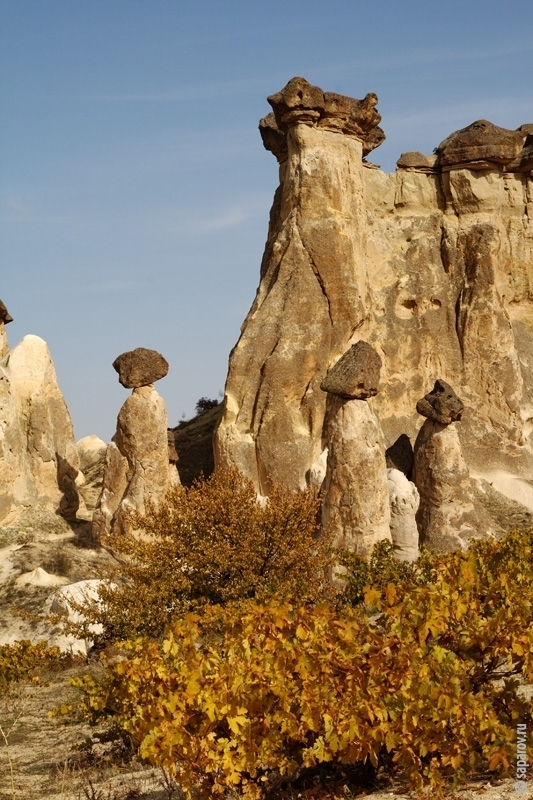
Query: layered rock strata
(137,471)
(355,505)
(433,266)
(38,458)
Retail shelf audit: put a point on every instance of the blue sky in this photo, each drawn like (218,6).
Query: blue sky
(134,188)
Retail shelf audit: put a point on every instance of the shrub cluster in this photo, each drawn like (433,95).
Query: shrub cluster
(23,660)
(421,676)
(211,544)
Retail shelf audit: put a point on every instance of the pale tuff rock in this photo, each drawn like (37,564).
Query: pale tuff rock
(404,501)
(448,515)
(312,298)
(317,471)
(137,470)
(140,367)
(39,577)
(486,336)
(63,605)
(91,449)
(353,253)
(355,376)
(355,505)
(38,458)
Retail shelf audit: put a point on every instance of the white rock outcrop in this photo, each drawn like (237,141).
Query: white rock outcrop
(404,502)
(38,458)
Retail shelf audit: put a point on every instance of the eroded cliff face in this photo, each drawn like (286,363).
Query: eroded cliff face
(432,265)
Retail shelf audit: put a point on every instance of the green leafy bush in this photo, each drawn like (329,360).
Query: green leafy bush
(422,678)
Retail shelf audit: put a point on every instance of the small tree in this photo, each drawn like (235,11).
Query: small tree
(204,404)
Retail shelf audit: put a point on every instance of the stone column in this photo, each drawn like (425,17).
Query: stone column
(137,469)
(355,504)
(446,516)
(314,288)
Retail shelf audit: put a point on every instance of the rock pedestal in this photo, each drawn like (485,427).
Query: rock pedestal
(446,517)
(404,501)
(137,470)
(355,505)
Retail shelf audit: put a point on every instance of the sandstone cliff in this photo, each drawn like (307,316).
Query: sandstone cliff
(432,265)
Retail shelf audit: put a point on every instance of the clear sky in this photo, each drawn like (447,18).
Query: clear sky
(134,188)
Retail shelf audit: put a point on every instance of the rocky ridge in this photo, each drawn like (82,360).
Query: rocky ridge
(432,266)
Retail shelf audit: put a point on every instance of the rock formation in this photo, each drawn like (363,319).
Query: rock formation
(447,516)
(5,317)
(355,506)
(404,501)
(433,266)
(140,367)
(137,470)
(38,458)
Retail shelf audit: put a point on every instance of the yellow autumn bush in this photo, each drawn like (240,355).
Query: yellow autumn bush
(422,677)
(211,544)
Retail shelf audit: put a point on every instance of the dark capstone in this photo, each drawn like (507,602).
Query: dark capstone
(441,404)
(140,367)
(400,455)
(355,376)
(481,141)
(301,102)
(273,139)
(5,316)
(415,160)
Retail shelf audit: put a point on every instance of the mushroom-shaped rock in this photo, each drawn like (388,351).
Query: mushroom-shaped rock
(404,502)
(355,503)
(137,471)
(448,515)
(301,103)
(441,404)
(480,141)
(140,367)
(355,376)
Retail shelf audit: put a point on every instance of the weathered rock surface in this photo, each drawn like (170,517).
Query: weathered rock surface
(446,518)
(481,142)
(140,367)
(355,504)
(404,501)
(63,604)
(5,317)
(441,404)
(355,376)
(432,266)
(137,469)
(38,458)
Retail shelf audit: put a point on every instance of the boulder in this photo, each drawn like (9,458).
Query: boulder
(140,367)
(480,142)
(355,376)
(441,404)
(63,605)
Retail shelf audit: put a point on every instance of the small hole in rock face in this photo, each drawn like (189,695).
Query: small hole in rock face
(300,95)
(436,303)
(409,304)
